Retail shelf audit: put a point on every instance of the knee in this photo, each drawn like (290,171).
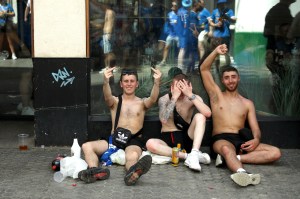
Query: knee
(86,147)
(199,118)
(151,145)
(225,150)
(275,155)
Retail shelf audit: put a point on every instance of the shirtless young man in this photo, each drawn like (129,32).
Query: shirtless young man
(132,114)
(179,125)
(230,111)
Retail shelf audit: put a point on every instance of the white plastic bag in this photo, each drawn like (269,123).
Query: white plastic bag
(70,166)
(118,157)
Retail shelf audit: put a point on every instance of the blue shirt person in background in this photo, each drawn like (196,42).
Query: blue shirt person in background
(183,21)
(172,30)
(220,20)
(203,24)
(194,29)
(6,26)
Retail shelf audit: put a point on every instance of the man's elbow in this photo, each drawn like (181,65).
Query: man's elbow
(149,103)
(207,114)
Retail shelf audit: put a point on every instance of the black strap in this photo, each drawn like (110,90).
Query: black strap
(118,115)
(137,134)
(118,111)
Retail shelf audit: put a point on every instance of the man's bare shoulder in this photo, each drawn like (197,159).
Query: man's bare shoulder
(138,99)
(247,103)
(141,101)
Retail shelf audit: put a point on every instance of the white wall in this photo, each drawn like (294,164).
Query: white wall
(251,14)
(59,28)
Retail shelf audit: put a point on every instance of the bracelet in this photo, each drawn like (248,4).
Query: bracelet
(192,97)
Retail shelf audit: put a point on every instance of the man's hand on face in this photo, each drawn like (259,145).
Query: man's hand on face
(108,73)
(185,87)
(176,92)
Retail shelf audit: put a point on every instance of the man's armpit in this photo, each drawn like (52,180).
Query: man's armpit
(213,97)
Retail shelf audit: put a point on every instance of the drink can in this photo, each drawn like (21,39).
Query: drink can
(175,158)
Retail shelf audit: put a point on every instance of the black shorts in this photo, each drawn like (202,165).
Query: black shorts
(138,141)
(237,140)
(233,138)
(175,137)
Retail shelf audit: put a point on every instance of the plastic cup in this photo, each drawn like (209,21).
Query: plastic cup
(58,176)
(23,141)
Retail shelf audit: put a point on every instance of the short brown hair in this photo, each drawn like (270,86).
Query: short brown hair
(228,68)
(126,71)
(179,77)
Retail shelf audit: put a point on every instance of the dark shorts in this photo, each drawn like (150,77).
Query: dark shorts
(175,137)
(233,138)
(138,141)
(237,140)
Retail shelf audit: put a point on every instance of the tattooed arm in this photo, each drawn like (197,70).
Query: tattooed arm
(166,105)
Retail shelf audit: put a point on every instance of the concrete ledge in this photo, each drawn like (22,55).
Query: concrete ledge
(282,132)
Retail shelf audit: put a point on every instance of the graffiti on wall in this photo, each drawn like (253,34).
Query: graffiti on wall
(63,76)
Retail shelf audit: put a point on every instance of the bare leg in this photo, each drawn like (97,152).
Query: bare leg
(92,150)
(261,155)
(161,46)
(165,55)
(159,147)
(134,166)
(132,154)
(11,43)
(181,57)
(201,49)
(227,150)
(196,130)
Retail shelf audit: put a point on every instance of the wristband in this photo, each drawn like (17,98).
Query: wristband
(192,97)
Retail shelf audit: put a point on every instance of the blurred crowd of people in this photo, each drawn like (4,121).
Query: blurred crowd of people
(185,34)
(15,35)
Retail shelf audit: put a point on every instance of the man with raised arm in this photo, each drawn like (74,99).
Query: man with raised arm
(233,143)
(131,117)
